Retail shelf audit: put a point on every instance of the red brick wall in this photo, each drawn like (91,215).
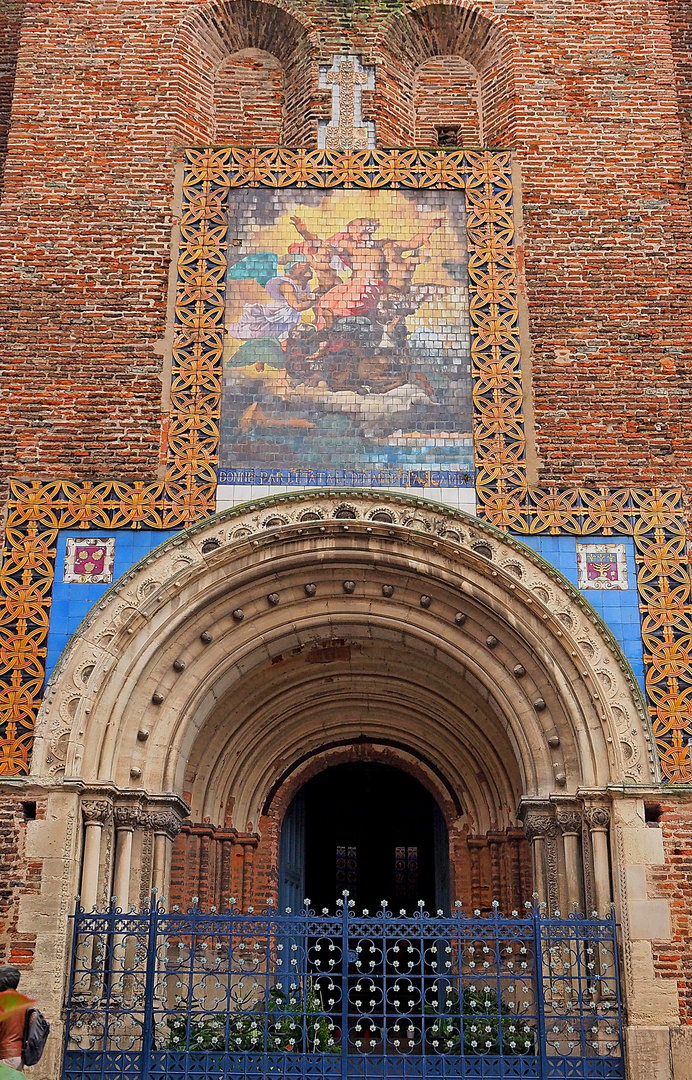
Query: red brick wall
(673,881)
(248,99)
(105,94)
(447,91)
(17,877)
(680,14)
(217,864)
(608,259)
(86,224)
(11,13)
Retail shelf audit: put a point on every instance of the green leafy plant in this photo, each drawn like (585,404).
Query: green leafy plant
(299,1024)
(489,1026)
(206,1032)
(294,1021)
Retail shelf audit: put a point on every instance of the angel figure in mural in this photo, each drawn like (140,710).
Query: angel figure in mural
(376,263)
(289,296)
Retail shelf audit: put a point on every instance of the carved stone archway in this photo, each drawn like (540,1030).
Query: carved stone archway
(174,641)
(274,634)
(281,636)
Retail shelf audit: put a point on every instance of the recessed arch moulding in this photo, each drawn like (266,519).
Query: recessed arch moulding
(279,638)
(248,73)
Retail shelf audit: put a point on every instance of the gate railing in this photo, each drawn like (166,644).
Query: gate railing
(158,993)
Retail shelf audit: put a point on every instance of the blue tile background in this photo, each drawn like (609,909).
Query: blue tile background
(72,602)
(619,609)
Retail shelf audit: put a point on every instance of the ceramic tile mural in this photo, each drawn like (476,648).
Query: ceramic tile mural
(619,606)
(73,597)
(347,338)
(258,187)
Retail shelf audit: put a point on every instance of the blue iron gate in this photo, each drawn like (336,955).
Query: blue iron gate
(157,994)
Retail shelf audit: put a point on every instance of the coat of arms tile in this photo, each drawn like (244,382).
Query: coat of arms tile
(602,566)
(89,560)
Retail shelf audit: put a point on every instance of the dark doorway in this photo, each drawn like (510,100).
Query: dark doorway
(368,828)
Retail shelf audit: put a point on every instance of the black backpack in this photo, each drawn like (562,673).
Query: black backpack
(36,1031)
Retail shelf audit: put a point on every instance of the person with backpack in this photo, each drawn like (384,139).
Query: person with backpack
(23,1028)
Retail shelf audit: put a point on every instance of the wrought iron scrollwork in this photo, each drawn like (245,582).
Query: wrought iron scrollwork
(157,993)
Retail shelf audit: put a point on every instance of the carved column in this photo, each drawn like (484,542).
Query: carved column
(96,814)
(127,818)
(569,823)
(516,885)
(475,843)
(494,852)
(541,830)
(166,825)
(598,819)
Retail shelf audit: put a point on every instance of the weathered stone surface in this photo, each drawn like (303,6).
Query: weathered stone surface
(648,1053)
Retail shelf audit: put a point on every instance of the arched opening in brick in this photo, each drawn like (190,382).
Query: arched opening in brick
(244,75)
(431,61)
(471,852)
(249,99)
(447,103)
(477,854)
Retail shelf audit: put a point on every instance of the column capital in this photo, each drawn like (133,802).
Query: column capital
(165,822)
(96,811)
(127,816)
(597,816)
(569,822)
(539,824)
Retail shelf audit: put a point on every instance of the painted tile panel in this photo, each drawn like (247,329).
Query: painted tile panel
(73,600)
(619,607)
(347,338)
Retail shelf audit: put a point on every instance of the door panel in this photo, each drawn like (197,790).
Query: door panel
(292,856)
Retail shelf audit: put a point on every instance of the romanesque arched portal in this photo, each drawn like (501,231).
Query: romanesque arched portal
(265,645)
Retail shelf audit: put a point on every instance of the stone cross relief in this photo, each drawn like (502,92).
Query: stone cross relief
(346,130)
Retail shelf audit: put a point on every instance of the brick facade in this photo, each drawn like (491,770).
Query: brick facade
(447,92)
(681,37)
(10,29)
(18,878)
(104,99)
(596,102)
(216,865)
(248,99)
(673,881)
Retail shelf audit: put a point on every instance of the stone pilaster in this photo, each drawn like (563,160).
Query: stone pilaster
(569,822)
(541,830)
(97,813)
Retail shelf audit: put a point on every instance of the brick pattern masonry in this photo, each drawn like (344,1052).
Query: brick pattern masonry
(104,96)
